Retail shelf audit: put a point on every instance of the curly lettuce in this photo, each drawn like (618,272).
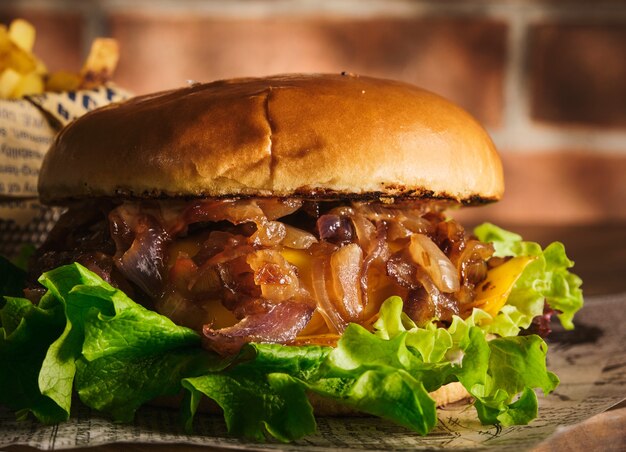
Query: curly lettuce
(547,279)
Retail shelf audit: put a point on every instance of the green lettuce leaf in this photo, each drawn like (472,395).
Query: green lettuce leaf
(382,377)
(546,278)
(118,384)
(494,372)
(56,376)
(26,334)
(394,395)
(126,355)
(262,392)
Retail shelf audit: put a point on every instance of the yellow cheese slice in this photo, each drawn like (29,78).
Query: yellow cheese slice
(492,293)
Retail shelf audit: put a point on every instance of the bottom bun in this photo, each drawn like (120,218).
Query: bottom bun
(450,393)
(447,394)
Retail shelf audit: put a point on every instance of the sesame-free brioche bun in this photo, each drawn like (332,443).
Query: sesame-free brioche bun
(311,136)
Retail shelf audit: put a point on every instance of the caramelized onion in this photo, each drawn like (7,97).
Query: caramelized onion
(428,255)
(346,264)
(411,219)
(343,211)
(222,247)
(275,276)
(415,223)
(269,233)
(206,282)
(472,263)
(297,238)
(335,229)
(424,301)
(402,270)
(233,211)
(235,250)
(365,233)
(376,254)
(279,324)
(144,260)
(336,324)
(450,236)
(419,306)
(396,231)
(122,221)
(435,303)
(181,310)
(238,280)
(274,208)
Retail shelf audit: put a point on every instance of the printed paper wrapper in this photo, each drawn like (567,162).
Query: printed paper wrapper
(590,361)
(27,128)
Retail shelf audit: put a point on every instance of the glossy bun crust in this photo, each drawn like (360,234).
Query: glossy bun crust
(312,136)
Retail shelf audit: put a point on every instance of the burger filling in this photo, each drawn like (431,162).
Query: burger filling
(277,270)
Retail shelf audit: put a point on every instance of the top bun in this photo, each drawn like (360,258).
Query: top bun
(311,136)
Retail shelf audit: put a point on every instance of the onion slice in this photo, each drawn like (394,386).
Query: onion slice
(280,324)
(346,264)
(276,277)
(436,264)
(143,260)
(336,324)
(297,238)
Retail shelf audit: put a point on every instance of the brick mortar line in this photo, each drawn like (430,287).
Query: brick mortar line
(546,138)
(515,109)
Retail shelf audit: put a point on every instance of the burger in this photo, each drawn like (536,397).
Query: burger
(275,242)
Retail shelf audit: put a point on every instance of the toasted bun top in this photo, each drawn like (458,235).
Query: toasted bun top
(321,136)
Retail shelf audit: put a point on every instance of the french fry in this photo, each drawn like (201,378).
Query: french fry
(41,68)
(9,79)
(23,34)
(100,63)
(63,81)
(29,84)
(11,55)
(23,74)
(5,48)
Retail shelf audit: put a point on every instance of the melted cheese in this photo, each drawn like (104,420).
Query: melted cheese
(302,260)
(492,293)
(219,315)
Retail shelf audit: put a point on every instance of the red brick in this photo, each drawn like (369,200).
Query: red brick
(559,188)
(462,59)
(578,73)
(59,36)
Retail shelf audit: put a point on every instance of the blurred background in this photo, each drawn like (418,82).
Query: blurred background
(546,77)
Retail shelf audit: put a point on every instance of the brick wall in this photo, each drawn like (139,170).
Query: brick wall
(547,78)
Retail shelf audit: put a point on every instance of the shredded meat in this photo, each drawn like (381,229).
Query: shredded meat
(274,270)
